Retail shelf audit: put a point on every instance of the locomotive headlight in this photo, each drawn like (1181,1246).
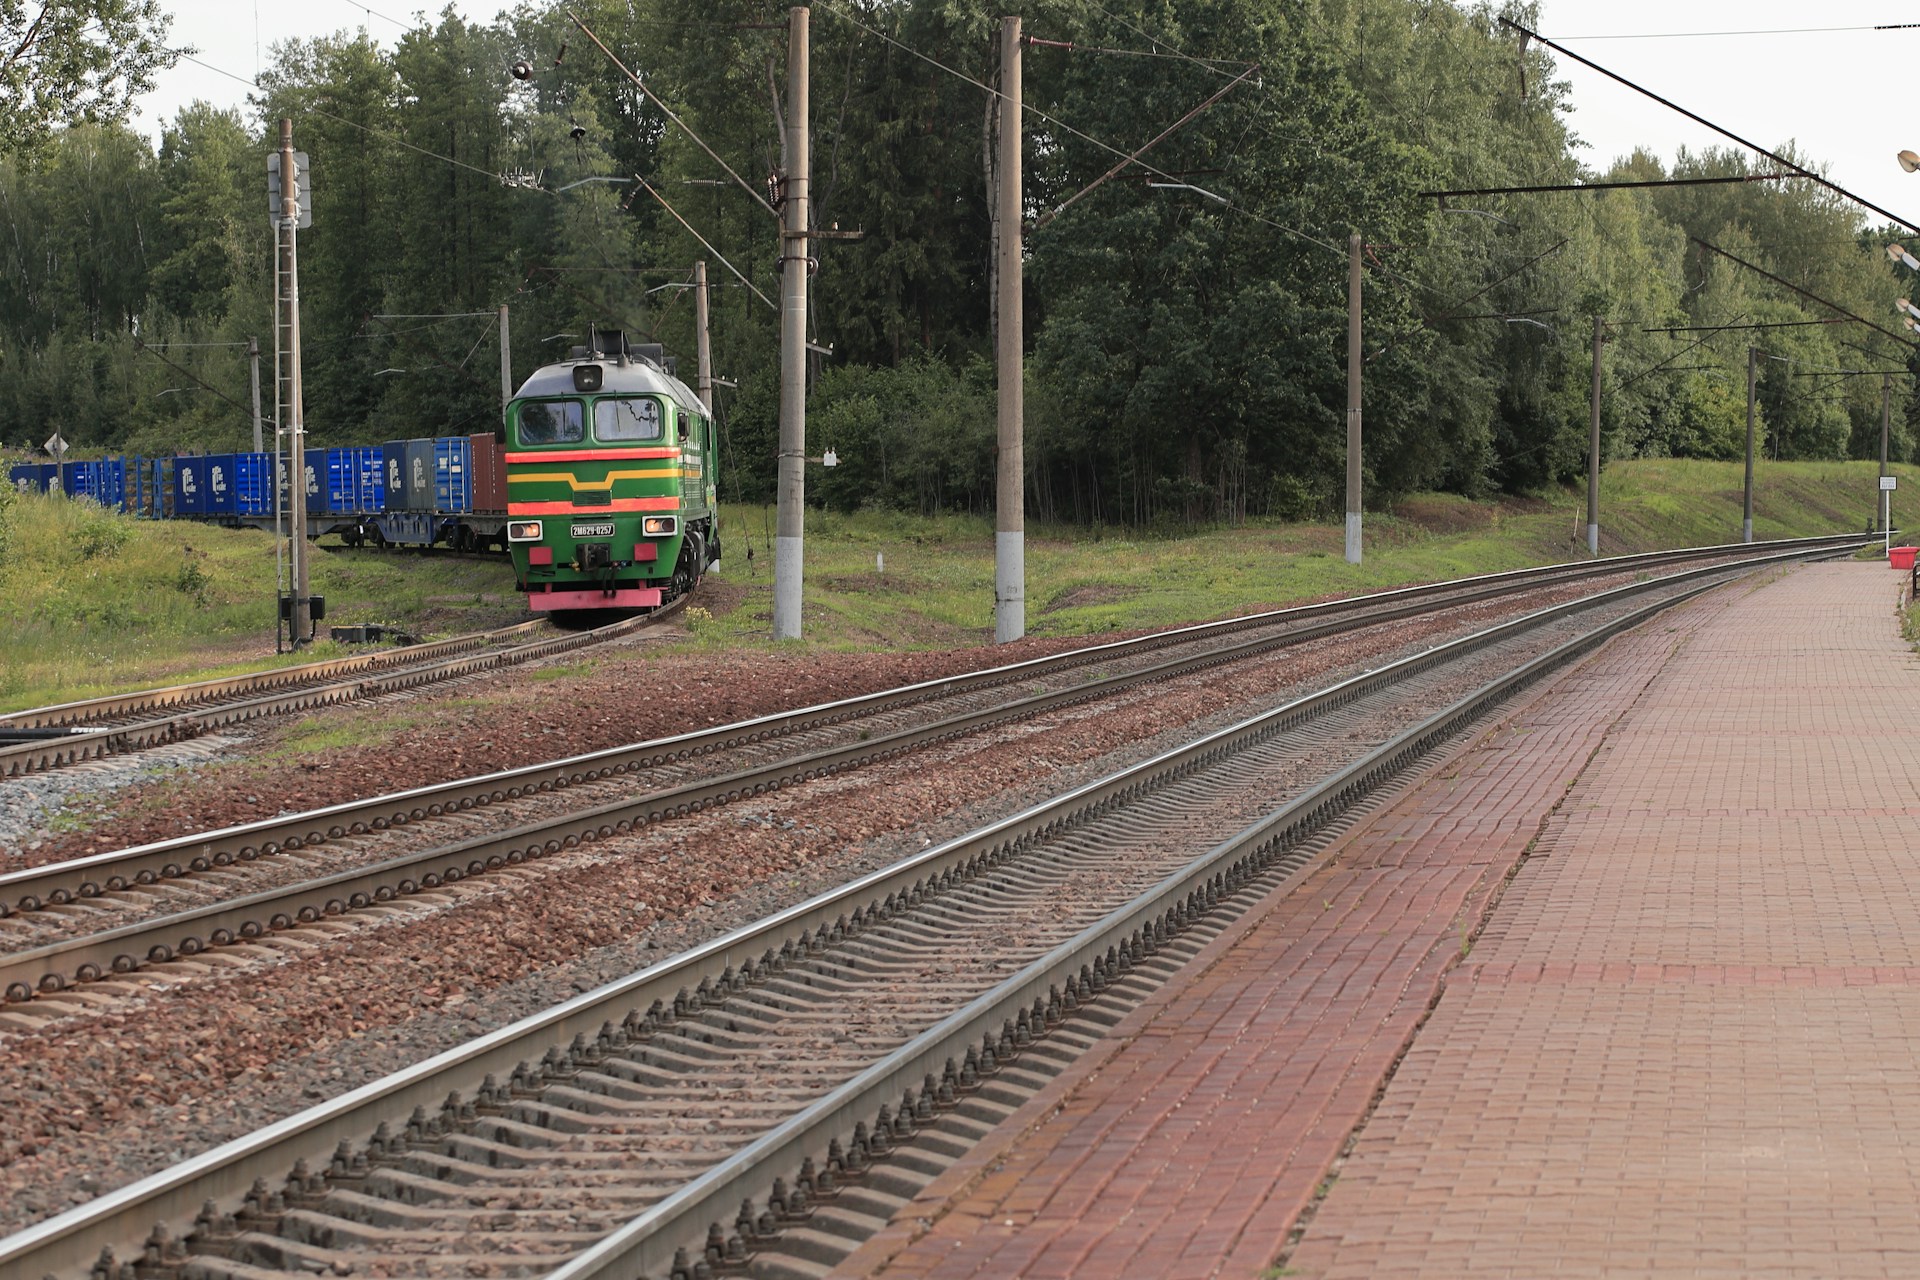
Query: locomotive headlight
(523,531)
(660,526)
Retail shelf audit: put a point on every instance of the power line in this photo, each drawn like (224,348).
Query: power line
(204,384)
(655,193)
(1765,31)
(1219,66)
(1606,186)
(1064,127)
(667,111)
(1774,156)
(1681,352)
(1788,284)
(351,124)
(1722,328)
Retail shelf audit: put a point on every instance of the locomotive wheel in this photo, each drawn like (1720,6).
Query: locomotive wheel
(684,577)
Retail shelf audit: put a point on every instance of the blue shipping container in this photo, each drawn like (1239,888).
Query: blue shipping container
(30,477)
(373,477)
(315,472)
(113,486)
(252,482)
(190,492)
(80,479)
(159,497)
(453,475)
(340,492)
(221,494)
(393,475)
(418,484)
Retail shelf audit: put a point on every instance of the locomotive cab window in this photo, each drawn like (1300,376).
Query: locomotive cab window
(689,432)
(637,418)
(551,422)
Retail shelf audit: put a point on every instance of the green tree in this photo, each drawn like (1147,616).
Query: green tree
(63,61)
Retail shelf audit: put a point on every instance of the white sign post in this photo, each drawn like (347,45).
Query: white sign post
(1887,485)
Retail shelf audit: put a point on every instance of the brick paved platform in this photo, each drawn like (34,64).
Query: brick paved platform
(1600,1089)
(1689,1041)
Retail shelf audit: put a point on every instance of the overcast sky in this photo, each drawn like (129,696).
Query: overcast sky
(1821,77)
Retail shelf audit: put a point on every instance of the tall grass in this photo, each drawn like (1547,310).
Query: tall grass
(884,580)
(93,600)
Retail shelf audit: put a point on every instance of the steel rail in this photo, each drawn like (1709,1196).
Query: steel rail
(120,704)
(68,1244)
(63,882)
(40,755)
(89,957)
(144,864)
(659,1240)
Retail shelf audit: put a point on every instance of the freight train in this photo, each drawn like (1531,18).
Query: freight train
(600,484)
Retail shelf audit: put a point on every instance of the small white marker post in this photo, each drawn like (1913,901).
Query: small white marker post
(1887,485)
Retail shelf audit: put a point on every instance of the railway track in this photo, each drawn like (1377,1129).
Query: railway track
(111,914)
(845,1046)
(52,737)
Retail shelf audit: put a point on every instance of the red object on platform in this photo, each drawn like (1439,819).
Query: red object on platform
(1901,557)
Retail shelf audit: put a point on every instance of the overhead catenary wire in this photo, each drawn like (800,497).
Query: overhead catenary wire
(456,163)
(1653,369)
(655,193)
(1722,328)
(1774,156)
(837,11)
(1764,31)
(202,382)
(1134,156)
(369,130)
(667,111)
(1220,66)
(1805,293)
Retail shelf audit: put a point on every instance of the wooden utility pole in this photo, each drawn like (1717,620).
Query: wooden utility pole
(302,618)
(506,364)
(1593,446)
(790,521)
(702,343)
(1746,502)
(1010,496)
(1354,362)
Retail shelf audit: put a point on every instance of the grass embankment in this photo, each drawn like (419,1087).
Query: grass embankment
(936,588)
(91,602)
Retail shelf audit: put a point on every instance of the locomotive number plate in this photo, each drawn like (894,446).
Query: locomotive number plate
(599,529)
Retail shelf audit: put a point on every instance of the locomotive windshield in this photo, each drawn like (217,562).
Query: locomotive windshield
(633,419)
(551,422)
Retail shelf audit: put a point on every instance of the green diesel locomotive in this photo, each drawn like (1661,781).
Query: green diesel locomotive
(611,501)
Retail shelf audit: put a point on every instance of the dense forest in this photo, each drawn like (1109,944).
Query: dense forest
(1185,324)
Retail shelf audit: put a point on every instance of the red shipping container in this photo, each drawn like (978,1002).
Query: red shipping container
(489,475)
